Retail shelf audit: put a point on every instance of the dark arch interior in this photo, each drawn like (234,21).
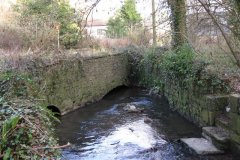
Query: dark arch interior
(111,93)
(54,109)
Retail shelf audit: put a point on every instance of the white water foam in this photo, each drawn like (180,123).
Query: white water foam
(126,141)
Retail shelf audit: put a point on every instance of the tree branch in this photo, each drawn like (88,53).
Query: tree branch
(89,11)
(222,32)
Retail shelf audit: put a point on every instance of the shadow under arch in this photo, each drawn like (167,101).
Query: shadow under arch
(118,89)
(56,111)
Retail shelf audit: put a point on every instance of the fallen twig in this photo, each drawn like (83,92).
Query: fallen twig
(55,147)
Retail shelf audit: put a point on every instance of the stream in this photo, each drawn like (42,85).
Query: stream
(105,131)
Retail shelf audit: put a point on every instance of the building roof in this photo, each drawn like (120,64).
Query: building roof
(96,22)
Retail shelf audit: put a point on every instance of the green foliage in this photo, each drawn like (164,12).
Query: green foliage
(41,14)
(24,124)
(179,63)
(7,128)
(24,127)
(129,14)
(6,75)
(209,82)
(178,22)
(70,35)
(159,68)
(147,67)
(116,28)
(135,55)
(125,22)
(16,84)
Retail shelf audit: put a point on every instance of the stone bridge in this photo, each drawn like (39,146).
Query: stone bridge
(70,84)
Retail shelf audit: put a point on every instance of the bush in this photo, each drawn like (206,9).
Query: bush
(178,63)
(70,35)
(175,65)
(178,67)
(46,19)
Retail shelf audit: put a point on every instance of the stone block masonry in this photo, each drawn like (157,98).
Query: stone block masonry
(70,84)
(202,97)
(221,110)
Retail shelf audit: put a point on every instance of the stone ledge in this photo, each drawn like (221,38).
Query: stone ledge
(223,121)
(201,146)
(218,136)
(217,133)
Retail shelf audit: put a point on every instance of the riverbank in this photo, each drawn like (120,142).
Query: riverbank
(26,126)
(60,84)
(202,96)
(194,91)
(27,131)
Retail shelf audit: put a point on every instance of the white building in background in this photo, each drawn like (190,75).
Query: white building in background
(96,28)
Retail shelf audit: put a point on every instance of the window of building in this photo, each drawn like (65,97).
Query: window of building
(101,32)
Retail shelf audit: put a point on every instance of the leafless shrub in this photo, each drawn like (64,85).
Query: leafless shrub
(214,23)
(11,38)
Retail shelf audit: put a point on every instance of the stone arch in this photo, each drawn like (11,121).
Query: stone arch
(54,109)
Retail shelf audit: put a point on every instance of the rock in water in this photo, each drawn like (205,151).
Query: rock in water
(130,108)
(147,120)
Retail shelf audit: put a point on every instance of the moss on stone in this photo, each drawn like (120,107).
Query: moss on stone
(235,122)
(74,83)
(234,102)
(235,137)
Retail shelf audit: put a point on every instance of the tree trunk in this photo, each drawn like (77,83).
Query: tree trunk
(154,24)
(234,18)
(179,27)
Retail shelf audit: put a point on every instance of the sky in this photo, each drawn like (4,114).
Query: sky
(107,8)
(5,4)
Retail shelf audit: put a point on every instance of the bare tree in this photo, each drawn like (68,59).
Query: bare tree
(220,26)
(154,23)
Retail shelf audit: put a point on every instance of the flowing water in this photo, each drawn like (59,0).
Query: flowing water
(105,131)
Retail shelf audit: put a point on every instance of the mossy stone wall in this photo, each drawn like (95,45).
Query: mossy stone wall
(199,108)
(70,84)
(205,100)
